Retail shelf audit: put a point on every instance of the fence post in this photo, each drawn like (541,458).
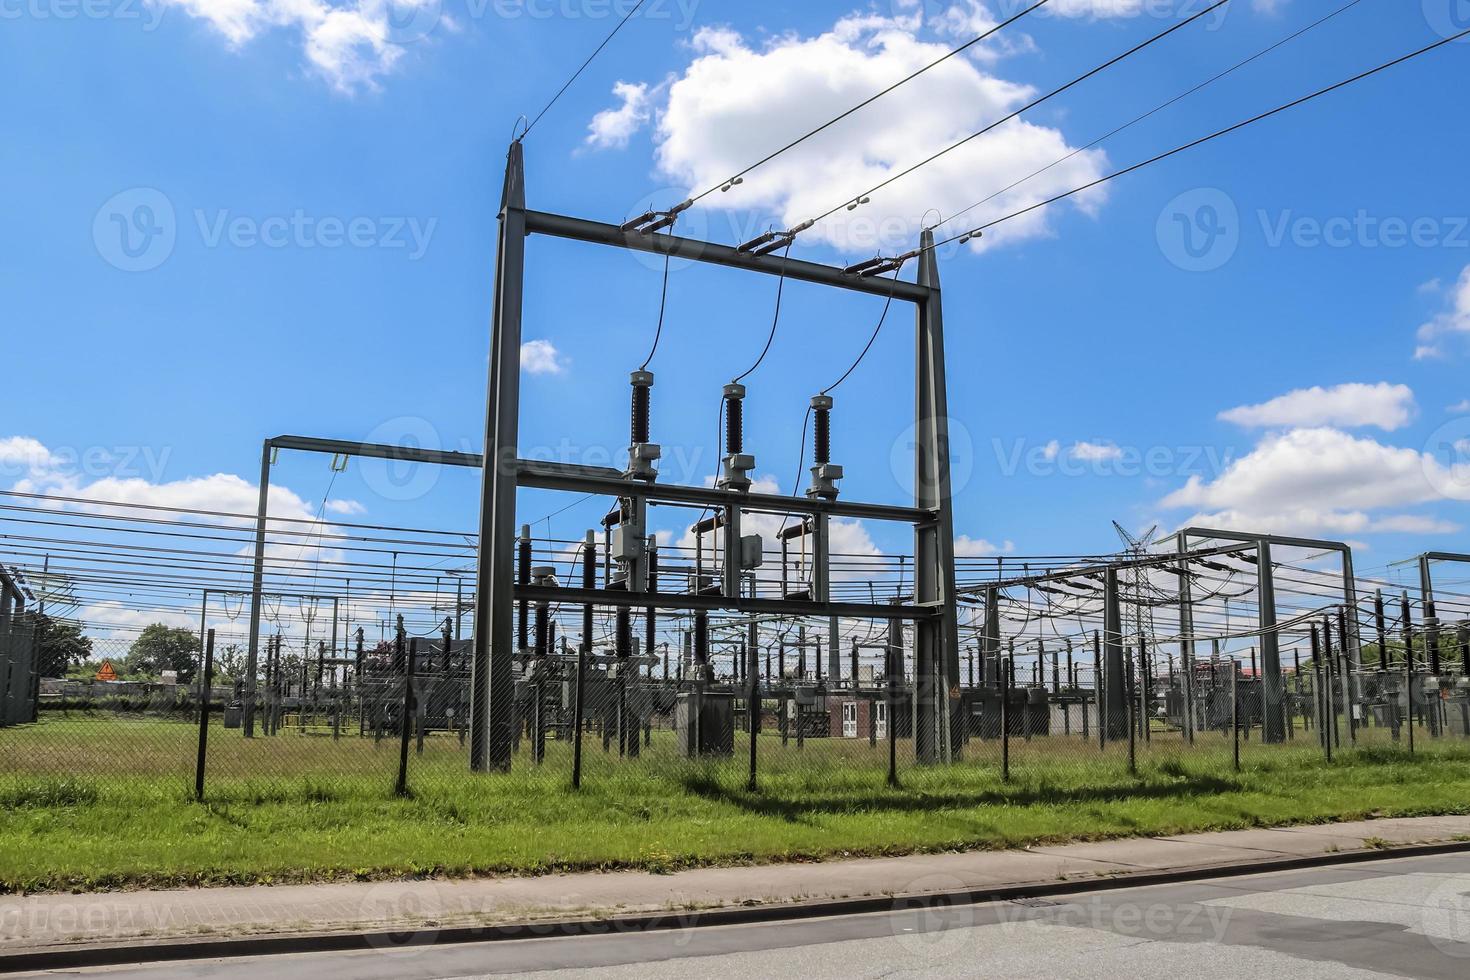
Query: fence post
(1409,694)
(1006,668)
(1235,712)
(893,662)
(407,719)
(753,702)
(1131,684)
(206,679)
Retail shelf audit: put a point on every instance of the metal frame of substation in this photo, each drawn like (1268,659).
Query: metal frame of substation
(1426,597)
(1273,719)
(496,589)
(1113,654)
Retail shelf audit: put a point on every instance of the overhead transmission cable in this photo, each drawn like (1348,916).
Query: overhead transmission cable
(1212,136)
(738,178)
(852,203)
(1154,111)
(578,73)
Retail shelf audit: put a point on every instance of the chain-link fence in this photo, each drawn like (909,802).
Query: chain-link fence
(764,711)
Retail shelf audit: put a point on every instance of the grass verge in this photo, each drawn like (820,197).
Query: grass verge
(122,826)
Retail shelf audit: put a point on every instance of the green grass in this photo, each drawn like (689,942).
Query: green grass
(103,801)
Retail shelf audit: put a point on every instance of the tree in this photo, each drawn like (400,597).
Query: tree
(159,648)
(60,646)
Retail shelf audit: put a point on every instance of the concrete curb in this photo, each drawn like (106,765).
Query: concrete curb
(149,951)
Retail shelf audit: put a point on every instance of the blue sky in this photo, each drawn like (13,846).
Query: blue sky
(328,198)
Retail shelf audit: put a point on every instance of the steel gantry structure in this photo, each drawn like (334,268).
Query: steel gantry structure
(934,608)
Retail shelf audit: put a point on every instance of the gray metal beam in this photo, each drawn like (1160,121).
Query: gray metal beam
(716,603)
(410,454)
(589,479)
(595,232)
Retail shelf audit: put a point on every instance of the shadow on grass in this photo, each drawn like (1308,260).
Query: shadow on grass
(795,807)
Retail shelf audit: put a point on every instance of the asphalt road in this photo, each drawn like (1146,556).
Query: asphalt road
(1406,917)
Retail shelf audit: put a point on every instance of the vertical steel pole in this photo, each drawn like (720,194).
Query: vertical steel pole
(753,702)
(492,686)
(257,578)
(206,679)
(408,711)
(1114,685)
(937,644)
(1235,711)
(1272,729)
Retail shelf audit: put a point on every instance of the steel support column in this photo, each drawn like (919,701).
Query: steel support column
(1272,727)
(257,580)
(492,687)
(937,647)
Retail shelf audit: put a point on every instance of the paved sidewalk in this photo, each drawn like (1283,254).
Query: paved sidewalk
(420,910)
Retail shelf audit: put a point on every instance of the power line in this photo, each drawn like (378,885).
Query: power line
(578,73)
(852,202)
(1154,111)
(732,181)
(1215,135)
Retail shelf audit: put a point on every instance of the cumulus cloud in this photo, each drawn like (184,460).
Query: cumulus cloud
(541,357)
(351,43)
(739,99)
(968,547)
(22,454)
(1453,320)
(614,127)
(1382,405)
(1321,480)
(1095,452)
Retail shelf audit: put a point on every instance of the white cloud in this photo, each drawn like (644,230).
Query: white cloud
(738,101)
(1051,450)
(1095,452)
(541,357)
(23,454)
(614,127)
(1319,480)
(1383,405)
(1459,407)
(968,547)
(351,44)
(345,507)
(1454,319)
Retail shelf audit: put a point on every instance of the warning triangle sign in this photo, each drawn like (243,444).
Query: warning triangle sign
(107,673)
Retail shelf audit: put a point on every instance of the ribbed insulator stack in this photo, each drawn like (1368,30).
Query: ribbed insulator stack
(642,392)
(734,419)
(822,417)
